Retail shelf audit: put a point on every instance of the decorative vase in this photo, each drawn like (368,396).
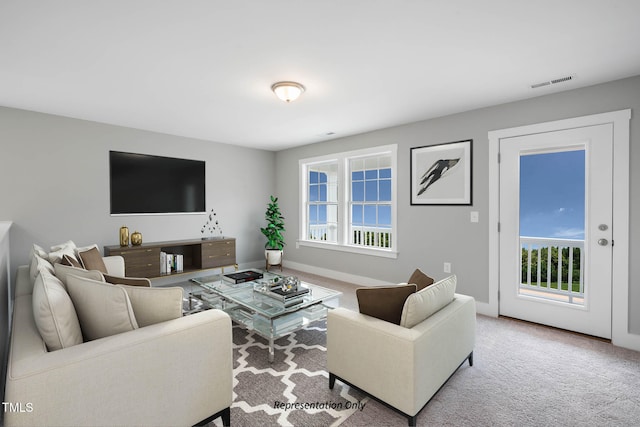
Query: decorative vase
(136,238)
(124,236)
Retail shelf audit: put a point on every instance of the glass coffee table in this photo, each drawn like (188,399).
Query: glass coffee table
(252,305)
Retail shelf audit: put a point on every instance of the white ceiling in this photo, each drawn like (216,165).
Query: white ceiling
(203,68)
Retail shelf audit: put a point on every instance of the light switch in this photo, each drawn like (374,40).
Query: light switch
(474,216)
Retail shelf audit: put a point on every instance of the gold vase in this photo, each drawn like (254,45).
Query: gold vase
(136,238)
(124,236)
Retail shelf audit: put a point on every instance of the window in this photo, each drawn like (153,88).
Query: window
(349,201)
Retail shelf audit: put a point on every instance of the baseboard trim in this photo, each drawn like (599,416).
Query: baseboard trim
(485,309)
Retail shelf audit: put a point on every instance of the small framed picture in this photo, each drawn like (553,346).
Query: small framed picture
(442,174)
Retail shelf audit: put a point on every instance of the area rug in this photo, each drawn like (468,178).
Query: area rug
(294,389)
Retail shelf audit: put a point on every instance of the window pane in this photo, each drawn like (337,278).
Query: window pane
(356,214)
(322,214)
(371,163)
(323,192)
(371,174)
(313,193)
(313,177)
(322,177)
(385,173)
(384,215)
(313,214)
(385,190)
(370,215)
(357,164)
(371,192)
(357,176)
(332,213)
(357,192)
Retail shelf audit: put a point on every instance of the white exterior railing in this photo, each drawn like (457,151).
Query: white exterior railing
(371,237)
(531,245)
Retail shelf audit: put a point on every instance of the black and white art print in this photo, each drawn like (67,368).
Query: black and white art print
(441,174)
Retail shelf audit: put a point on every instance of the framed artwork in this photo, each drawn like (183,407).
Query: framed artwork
(441,174)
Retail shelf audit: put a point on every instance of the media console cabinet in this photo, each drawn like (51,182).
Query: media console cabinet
(144,260)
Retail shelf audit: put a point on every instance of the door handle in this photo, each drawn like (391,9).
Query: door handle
(603,242)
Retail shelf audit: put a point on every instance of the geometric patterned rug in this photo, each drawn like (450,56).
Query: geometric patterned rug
(294,389)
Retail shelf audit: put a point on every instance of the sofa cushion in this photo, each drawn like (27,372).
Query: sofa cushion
(154,305)
(91,259)
(37,265)
(63,271)
(426,302)
(420,279)
(384,302)
(54,313)
(103,309)
(129,281)
(58,251)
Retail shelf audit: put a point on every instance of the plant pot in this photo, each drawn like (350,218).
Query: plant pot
(273,257)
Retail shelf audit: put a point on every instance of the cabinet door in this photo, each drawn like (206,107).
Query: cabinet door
(140,262)
(218,253)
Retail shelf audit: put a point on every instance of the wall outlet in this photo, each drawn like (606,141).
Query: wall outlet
(447,267)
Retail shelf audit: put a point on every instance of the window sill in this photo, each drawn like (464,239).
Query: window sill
(384,253)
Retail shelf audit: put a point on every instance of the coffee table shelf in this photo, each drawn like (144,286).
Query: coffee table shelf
(251,307)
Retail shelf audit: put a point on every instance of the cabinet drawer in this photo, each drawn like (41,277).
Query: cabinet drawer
(140,262)
(216,254)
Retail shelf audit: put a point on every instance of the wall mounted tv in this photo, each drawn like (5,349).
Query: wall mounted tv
(145,184)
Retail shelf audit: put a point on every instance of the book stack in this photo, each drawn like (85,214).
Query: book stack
(171,263)
(243,276)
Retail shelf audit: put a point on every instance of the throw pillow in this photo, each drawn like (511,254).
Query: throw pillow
(428,301)
(58,251)
(103,309)
(71,262)
(63,271)
(154,305)
(384,302)
(130,281)
(37,265)
(420,279)
(91,259)
(54,313)
(39,251)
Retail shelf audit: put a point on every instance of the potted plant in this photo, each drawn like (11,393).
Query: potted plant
(273,233)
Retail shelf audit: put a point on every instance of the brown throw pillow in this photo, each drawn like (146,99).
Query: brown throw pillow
(420,279)
(384,303)
(70,261)
(130,281)
(92,260)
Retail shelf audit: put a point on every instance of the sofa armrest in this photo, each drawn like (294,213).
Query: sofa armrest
(114,264)
(177,372)
(401,366)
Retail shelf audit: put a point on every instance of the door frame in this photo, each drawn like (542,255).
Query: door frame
(620,335)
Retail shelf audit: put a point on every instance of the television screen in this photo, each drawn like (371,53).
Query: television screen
(145,184)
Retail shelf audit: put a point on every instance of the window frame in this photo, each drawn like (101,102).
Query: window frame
(344,187)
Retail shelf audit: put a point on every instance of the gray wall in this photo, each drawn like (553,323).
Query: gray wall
(428,236)
(54,173)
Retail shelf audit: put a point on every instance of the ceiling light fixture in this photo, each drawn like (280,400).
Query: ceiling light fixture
(287,91)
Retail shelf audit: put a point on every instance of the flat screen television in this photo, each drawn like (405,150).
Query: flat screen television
(145,184)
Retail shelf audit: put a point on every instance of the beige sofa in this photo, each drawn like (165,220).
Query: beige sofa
(177,372)
(403,367)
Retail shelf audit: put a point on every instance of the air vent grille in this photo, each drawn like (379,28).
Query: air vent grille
(552,82)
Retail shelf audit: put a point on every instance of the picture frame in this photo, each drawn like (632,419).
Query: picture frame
(441,174)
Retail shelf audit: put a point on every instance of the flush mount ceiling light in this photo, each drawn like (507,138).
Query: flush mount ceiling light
(287,91)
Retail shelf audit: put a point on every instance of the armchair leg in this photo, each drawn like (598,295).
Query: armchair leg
(471,359)
(225,414)
(412,421)
(332,380)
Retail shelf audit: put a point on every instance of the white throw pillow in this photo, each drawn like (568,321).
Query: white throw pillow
(54,314)
(37,265)
(63,271)
(154,305)
(39,251)
(423,304)
(103,309)
(58,251)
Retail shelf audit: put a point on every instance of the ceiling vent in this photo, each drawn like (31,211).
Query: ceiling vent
(553,82)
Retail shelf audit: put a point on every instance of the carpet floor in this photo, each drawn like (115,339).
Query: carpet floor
(523,375)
